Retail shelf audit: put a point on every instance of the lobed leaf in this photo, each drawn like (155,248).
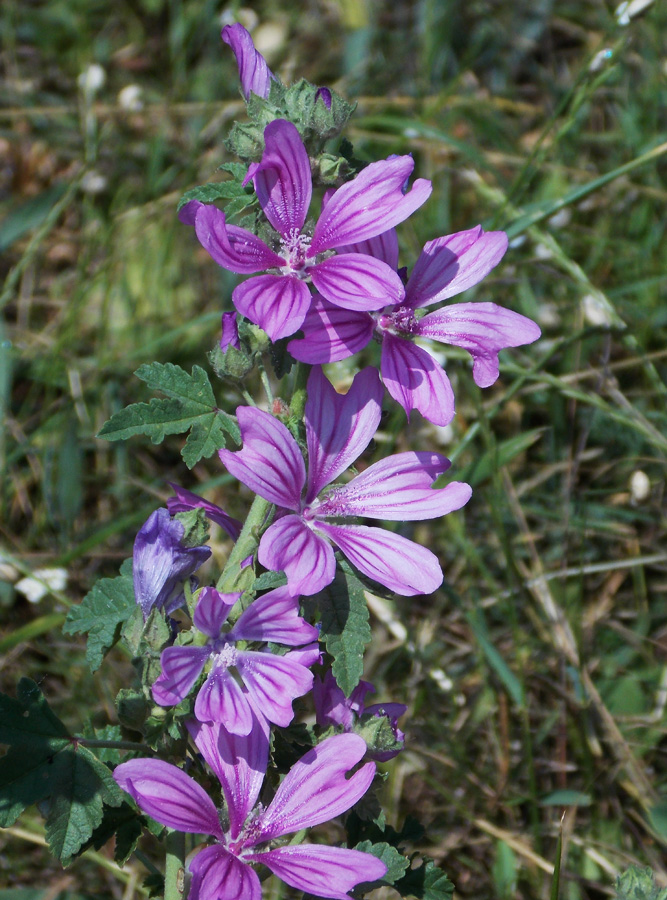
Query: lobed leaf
(427,882)
(345,627)
(395,862)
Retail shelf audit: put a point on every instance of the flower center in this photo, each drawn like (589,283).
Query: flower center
(294,248)
(401,321)
(224,654)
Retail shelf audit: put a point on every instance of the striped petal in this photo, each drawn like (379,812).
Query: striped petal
(289,545)
(277,303)
(331,333)
(415,380)
(233,248)
(355,281)
(282,179)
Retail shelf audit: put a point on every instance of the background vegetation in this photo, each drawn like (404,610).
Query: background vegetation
(537,678)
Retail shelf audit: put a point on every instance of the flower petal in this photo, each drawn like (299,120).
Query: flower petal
(254,73)
(316,788)
(392,560)
(169,796)
(416,381)
(181,667)
(273,682)
(239,762)
(339,427)
(355,281)
(332,707)
(282,179)
(270,463)
(320,870)
(452,264)
(369,205)
(185,500)
(398,487)
(274,617)
(212,610)
(331,333)
(221,699)
(384,246)
(233,248)
(277,303)
(289,545)
(217,875)
(482,329)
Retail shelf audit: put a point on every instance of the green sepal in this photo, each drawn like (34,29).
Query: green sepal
(231,363)
(195,527)
(378,734)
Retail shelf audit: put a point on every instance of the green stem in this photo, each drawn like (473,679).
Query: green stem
(300,395)
(174,873)
(232,578)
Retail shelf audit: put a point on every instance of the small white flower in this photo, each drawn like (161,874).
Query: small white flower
(129,98)
(595,311)
(93,183)
(640,486)
(41,582)
(92,79)
(629,9)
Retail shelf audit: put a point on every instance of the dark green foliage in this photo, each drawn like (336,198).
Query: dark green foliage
(637,883)
(425,882)
(395,862)
(345,627)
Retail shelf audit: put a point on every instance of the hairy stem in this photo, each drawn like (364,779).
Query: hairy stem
(174,873)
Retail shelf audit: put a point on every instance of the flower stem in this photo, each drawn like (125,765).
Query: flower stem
(300,395)
(174,874)
(233,577)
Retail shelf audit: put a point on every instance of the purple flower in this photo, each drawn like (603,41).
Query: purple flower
(446,267)
(368,205)
(338,428)
(332,707)
(230,332)
(270,682)
(254,73)
(161,564)
(185,500)
(315,790)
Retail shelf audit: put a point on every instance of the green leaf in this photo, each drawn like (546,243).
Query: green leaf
(504,453)
(269,580)
(427,882)
(494,659)
(637,883)
(190,404)
(101,614)
(566,798)
(44,763)
(123,823)
(214,191)
(345,627)
(395,862)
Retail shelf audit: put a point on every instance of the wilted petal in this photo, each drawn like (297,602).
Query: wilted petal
(212,610)
(316,789)
(331,333)
(239,762)
(233,248)
(452,264)
(355,281)
(270,463)
(169,796)
(416,381)
(339,427)
(217,875)
(273,682)
(277,303)
(254,73)
(289,545)
(369,205)
(392,560)
(282,179)
(482,329)
(181,667)
(320,870)
(274,617)
(384,246)
(185,500)
(398,487)
(221,699)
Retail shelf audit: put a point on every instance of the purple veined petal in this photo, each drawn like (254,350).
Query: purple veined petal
(221,699)
(399,488)
(239,762)
(254,73)
(332,707)
(482,329)
(383,246)
(231,247)
(273,683)
(282,179)
(277,303)
(331,333)
(169,796)
(452,264)
(188,212)
(217,875)
(394,561)
(415,380)
(369,205)
(356,281)
(306,656)
(339,427)
(315,789)
(230,332)
(289,545)
(274,617)
(181,667)
(185,500)
(321,870)
(270,463)
(212,610)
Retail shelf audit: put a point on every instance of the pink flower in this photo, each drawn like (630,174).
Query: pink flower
(254,72)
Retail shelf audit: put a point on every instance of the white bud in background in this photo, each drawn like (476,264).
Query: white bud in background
(595,311)
(640,486)
(92,79)
(129,98)
(628,10)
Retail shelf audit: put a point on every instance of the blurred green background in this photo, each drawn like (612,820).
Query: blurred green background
(537,677)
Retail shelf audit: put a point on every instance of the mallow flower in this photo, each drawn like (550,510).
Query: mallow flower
(269,683)
(161,564)
(338,428)
(447,266)
(254,73)
(244,834)
(374,201)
